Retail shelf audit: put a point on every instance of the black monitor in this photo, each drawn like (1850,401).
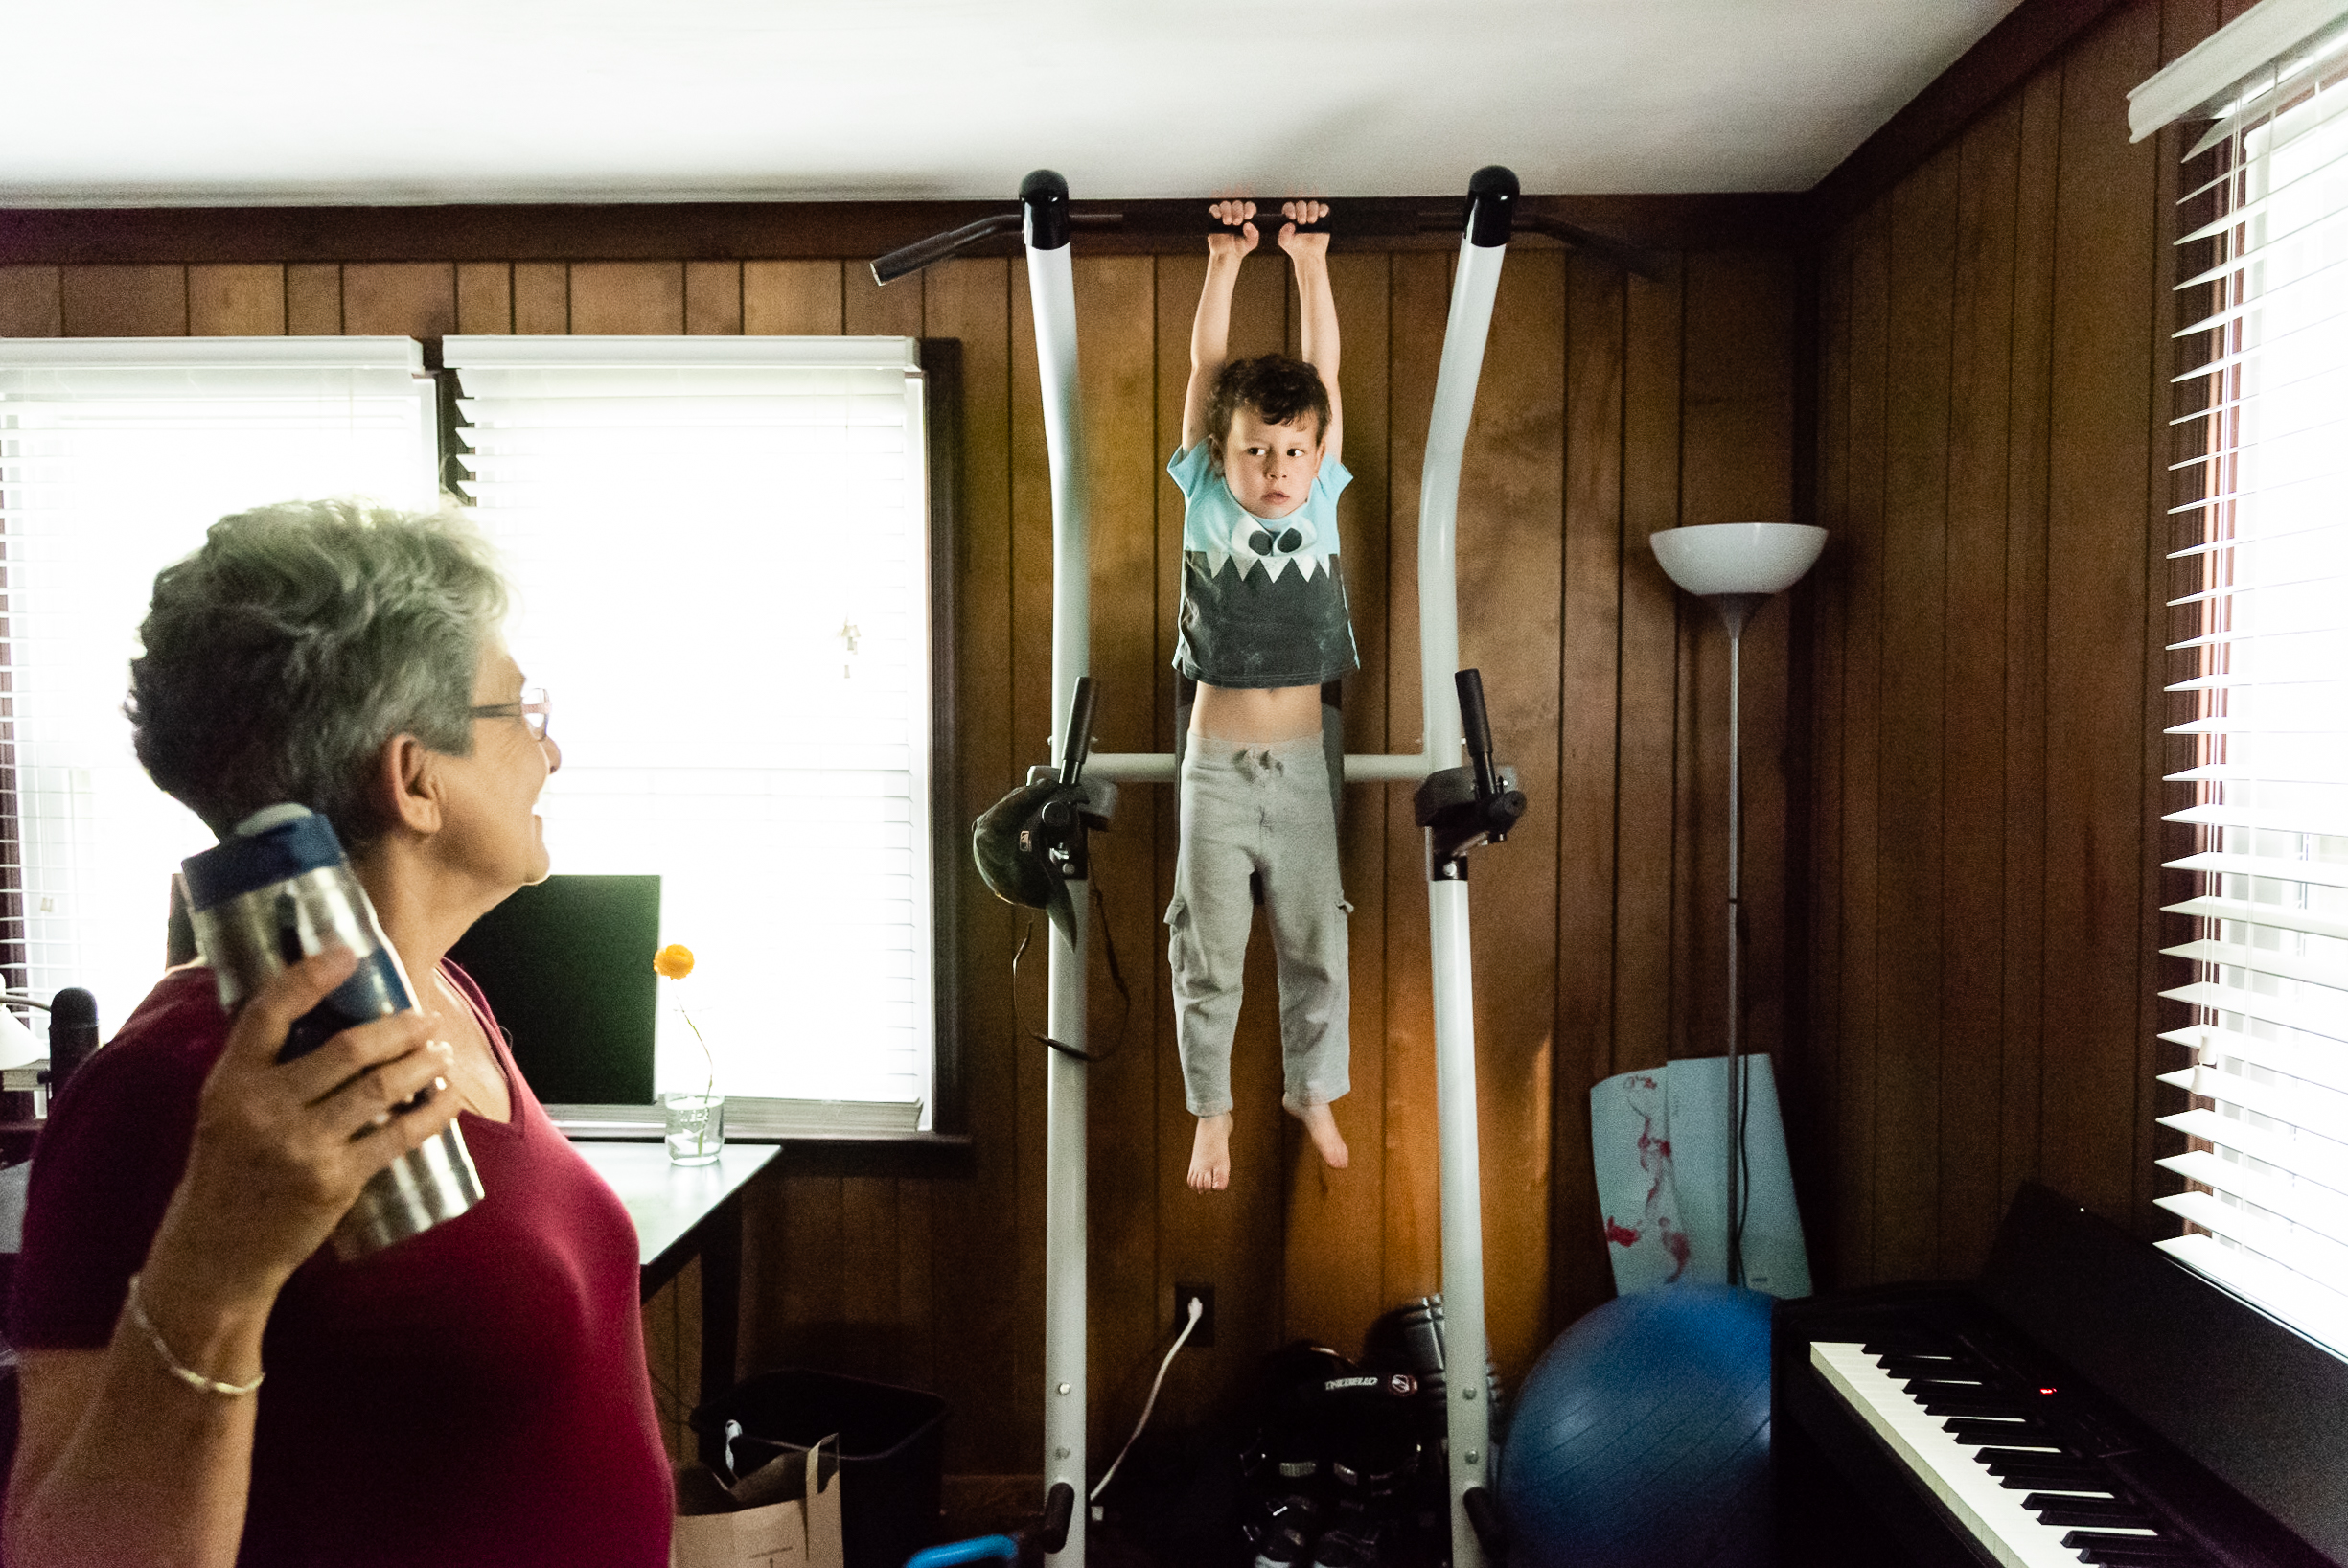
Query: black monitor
(568,968)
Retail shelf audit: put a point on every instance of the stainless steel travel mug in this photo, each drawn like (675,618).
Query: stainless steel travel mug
(272,893)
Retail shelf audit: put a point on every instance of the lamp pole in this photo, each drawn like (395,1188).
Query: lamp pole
(1738,566)
(1735,608)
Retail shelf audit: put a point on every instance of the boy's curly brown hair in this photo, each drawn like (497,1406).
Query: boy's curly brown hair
(1277,388)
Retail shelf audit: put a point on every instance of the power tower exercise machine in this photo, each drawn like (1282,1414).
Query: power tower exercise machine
(1464,801)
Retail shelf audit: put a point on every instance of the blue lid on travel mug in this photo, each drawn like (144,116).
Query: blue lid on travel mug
(274,844)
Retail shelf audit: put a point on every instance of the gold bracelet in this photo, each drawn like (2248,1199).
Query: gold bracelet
(171,1364)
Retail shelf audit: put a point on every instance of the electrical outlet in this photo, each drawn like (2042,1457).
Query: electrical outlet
(1204,1335)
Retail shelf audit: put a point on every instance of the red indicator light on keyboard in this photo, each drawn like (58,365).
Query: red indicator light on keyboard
(2046,1391)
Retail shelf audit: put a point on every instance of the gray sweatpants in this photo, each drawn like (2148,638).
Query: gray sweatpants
(1263,809)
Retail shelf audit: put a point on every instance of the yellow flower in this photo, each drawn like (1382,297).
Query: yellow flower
(674,961)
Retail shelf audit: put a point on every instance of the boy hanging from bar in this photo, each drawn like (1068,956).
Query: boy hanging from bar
(1264,632)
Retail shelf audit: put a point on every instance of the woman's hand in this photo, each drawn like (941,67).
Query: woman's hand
(1231,215)
(1301,245)
(281,1149)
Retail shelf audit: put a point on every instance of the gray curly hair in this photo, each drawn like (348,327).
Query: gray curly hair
(281,656)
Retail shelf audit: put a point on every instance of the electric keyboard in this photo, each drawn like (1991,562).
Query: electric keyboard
(2087,1400)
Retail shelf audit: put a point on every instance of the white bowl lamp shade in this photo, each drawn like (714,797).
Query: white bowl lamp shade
(1760,558)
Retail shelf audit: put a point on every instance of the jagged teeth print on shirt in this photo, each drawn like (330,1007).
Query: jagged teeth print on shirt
(1250,541)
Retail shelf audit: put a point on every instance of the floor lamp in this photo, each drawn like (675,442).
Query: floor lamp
(1738,566)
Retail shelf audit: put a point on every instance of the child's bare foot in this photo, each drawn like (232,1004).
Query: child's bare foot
(1322,1125)
(1210,1154)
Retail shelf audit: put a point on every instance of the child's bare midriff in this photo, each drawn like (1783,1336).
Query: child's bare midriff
(1257,716)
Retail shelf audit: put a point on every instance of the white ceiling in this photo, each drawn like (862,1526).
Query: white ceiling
(254,102)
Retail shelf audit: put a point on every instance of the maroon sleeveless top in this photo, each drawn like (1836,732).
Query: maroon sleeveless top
(477,1394)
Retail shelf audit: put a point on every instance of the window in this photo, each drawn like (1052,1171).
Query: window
(722,551)
(115,456)
(2261,602)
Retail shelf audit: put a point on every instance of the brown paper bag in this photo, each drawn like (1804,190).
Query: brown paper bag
(781,1516)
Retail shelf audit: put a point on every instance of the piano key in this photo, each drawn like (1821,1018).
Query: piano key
(2065,1508)
(2051,1484)
(2055,1518)
(1945,1385)
(1910,1343)
(2126,1551)
(1980,1429)
(2053,1469)
(1927,1366)
(1989,1512)
(1968,1404)
(2083,1482)
(2077,1487)
(2061,1469)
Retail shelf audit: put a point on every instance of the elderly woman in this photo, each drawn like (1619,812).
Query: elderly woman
(475,1394)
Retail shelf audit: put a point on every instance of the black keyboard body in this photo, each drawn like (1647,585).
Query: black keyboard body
(2210,1424)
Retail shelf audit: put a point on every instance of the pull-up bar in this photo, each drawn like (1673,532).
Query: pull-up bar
(1380,218)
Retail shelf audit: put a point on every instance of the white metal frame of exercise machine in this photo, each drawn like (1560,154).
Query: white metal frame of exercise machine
(1462,804)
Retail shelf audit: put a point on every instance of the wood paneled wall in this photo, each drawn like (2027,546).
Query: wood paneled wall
(1984,672)
(1608,407)
(1952,730)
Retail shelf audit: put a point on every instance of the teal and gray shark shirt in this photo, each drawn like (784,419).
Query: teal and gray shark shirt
(1262,604)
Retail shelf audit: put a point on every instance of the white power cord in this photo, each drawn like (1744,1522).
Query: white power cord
(1198,1310)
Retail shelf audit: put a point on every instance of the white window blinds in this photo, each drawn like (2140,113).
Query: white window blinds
(722,554)
(2263,653)
(115,456)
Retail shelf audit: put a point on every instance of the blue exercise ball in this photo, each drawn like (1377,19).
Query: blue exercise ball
(1641,1438)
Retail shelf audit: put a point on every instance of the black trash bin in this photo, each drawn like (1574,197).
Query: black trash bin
(893,1450)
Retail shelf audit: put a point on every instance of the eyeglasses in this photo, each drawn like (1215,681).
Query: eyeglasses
(532,710)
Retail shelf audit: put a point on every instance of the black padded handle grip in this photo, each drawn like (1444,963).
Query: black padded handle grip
(1472,715)
(921,253)
(1059,1512)
(1483,1518)
(1077,739)
(1479,727)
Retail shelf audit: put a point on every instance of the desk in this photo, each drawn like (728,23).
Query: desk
(679,1212)
(682,1212)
